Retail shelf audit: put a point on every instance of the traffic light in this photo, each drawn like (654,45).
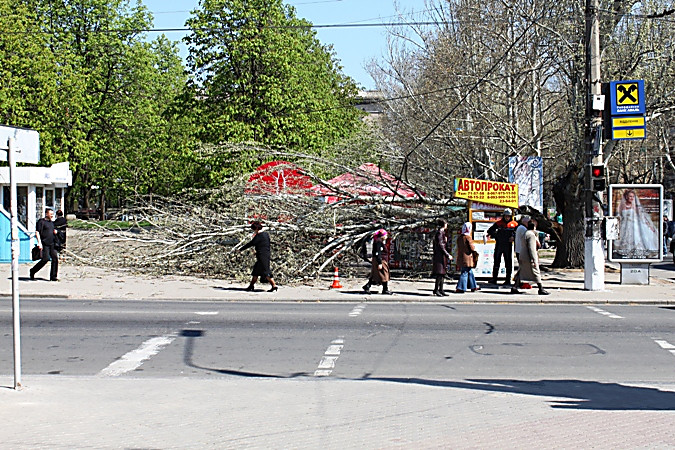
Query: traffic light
(598,182)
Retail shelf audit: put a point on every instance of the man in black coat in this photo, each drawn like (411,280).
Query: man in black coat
(503,232)
(46,240)
(60,225)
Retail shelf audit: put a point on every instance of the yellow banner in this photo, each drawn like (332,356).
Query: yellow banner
(630,133)
(618,122)
(492,192)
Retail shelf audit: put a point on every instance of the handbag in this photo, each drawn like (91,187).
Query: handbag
(36,253)
(474,255)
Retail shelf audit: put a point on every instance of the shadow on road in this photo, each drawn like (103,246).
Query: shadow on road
(575,394)
(190,336)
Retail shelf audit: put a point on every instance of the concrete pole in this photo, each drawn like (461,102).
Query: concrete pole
(594,262)
(16,317)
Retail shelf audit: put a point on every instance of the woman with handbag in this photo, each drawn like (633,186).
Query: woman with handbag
(379,273)
(466,258)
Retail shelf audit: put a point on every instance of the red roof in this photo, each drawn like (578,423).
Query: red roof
(367,180)
(278,177)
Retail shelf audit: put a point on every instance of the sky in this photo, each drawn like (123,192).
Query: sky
(354,47)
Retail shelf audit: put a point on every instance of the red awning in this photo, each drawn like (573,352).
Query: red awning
(278,177)
(366,181)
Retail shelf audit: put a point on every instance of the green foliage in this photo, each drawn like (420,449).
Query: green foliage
(261,76)
(98,93)
(29,86)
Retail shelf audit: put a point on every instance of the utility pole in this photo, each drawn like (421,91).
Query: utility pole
(594,262)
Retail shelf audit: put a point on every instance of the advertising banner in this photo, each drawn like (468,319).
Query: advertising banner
(528,174)
(492,192)
(639,208)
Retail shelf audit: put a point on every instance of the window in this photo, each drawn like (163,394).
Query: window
(22,204)
(49,198)
(39,202)
(58,200)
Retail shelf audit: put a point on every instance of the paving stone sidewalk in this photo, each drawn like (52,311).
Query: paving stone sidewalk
(68,412)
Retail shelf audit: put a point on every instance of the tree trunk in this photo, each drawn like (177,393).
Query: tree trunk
(569,197)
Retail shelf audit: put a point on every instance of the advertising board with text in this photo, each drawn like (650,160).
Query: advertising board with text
(492,192)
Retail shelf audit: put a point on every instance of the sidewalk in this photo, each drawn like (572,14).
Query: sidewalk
(61,412)
(84,282)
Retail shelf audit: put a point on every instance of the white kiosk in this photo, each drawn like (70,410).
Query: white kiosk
(37,188)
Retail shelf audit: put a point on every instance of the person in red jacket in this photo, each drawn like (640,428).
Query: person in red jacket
(503,232)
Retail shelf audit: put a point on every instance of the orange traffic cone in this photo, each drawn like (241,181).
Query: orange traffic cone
(336,280)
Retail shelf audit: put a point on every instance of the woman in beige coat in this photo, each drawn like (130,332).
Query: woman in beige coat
(528,261)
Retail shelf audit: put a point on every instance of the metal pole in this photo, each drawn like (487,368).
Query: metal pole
(15,265)
(594,256)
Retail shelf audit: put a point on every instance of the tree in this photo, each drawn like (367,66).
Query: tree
(260,75)
(109,114)
(502,79)
(28,71)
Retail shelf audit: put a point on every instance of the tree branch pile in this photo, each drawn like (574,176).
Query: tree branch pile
(201,233)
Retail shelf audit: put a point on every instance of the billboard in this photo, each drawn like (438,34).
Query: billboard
(639,208)
(492,192)
(528,173)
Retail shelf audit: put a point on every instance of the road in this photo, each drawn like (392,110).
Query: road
(428,343)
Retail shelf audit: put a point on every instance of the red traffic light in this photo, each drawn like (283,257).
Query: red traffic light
(598,171)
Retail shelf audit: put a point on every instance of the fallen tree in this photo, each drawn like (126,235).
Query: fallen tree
(201,232)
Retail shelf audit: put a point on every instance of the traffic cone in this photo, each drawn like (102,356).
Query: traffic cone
(336,280)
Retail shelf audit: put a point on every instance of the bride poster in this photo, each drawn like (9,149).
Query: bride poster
(639,208)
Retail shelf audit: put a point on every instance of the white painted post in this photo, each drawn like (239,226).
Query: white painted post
(15,265)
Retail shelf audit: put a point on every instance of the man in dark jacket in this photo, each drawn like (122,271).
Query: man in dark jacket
(46,239)
(669,232)
(60,225)
(503,232)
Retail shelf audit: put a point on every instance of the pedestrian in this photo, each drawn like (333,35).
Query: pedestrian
(503,232)
(670,234)
(466,258)
(261,242)
(528,260)
(60,225)
(519,243)
(45,234)
(666,238)
(379,272)
(441,257)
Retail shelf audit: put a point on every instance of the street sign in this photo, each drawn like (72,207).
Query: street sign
(628,121)
(627,97)
(26,144)
(629,133)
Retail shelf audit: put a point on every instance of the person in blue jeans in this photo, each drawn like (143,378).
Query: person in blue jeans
(465,252)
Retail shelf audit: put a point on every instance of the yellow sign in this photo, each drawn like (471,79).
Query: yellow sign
(492,192)
(620,122)
(630,133)
(627,94)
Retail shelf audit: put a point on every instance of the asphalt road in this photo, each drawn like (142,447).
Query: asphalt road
(429,343)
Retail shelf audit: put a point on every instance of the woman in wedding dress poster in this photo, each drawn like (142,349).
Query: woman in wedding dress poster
(638,210)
